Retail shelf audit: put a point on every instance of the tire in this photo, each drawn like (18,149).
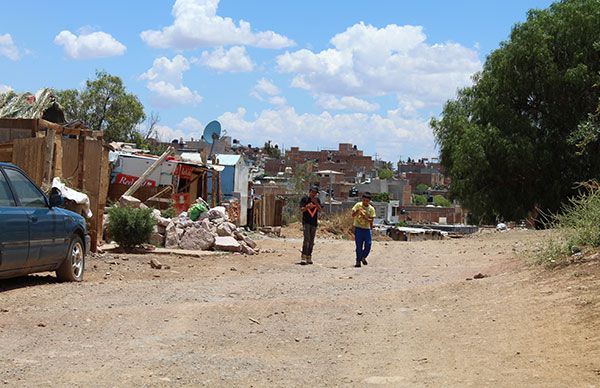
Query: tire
(72,268)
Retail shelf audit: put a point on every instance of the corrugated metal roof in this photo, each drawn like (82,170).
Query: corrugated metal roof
(30,106)
(191,157)
(228,160)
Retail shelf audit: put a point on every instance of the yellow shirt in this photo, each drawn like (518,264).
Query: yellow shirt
(360,221)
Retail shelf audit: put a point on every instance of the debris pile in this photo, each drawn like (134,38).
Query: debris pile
(212,230)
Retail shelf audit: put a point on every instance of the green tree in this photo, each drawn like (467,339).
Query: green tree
(104,104)
(272,150)
(303,177)
(421,188)
(419,200)
(385,173)
(440,200)
(510,142)
(381,197)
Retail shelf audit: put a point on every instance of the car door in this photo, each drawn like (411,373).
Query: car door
(14,230)
(44,246)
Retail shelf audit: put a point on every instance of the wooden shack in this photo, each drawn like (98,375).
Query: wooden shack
(35,137)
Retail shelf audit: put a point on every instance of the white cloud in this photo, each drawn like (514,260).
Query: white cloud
(327,101)
(165,81)
(190,125)
(390,135)
(265,86)
(166,134)
(370,61)
(8,48)
(89,45)
(197,24)
(5,88)
(277,100)
(234,60)
(266,90)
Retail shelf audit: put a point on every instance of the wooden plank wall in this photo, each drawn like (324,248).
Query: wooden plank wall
(268,211)
(90,175)
(70,165)
(6,151)
(29,155)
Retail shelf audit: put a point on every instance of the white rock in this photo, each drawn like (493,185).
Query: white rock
(206,224)
(251,243)
(197,239)
(227,243)
(129,201)
(180,233)
(217,212)
(157,239)
(217,221)
(163,221)
(223,230)
(247,250)
(171,240)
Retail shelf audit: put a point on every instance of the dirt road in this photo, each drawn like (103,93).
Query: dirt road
(410,318)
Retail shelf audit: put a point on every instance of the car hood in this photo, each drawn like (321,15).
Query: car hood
(72,215)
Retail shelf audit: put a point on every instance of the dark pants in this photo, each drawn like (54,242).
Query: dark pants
(362,238)
(309,239)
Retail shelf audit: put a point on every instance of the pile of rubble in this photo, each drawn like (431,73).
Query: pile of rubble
(212,231)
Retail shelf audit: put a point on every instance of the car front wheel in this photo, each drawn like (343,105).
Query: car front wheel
(71,269)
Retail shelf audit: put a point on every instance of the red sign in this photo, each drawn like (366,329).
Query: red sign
(128,180)
(184,171)
(181,202)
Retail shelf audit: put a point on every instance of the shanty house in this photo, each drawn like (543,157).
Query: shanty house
(35,137)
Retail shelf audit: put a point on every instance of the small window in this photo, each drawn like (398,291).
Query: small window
(6,198)
(27,193)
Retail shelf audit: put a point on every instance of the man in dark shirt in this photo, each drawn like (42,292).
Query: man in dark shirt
(310,207)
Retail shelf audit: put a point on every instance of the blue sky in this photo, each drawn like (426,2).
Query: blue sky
(307,73)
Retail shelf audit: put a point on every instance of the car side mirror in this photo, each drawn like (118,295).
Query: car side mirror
(56,198)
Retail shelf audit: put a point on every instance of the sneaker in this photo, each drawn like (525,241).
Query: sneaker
(357,265)
(308,260)
(303,260)
(364,261)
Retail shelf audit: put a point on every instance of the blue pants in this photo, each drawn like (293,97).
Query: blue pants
(362,238)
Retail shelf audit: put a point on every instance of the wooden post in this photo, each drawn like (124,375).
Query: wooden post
(205,185)
(81,163)
(213,199)
(137,184)
(58,157)
(49,156)
(219,194)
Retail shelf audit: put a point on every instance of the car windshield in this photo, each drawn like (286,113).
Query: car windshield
(27,194)
(6,199)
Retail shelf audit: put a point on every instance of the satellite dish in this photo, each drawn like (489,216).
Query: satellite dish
(212,132)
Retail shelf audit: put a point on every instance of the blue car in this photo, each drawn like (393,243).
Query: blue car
(35,234)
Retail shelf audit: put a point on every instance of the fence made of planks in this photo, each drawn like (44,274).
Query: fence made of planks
(46,150)
(268,211)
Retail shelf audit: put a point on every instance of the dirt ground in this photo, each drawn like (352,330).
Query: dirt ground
(409,318)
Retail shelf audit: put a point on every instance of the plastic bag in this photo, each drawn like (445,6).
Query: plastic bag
(196,210)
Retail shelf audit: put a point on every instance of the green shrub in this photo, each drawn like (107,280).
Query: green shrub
(130,227)
(169,212)
(381,197)
(577,226)
(419,200)
(440,200)
(421,188)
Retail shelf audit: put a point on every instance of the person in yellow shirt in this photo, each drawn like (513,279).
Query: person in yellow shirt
(363,214)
